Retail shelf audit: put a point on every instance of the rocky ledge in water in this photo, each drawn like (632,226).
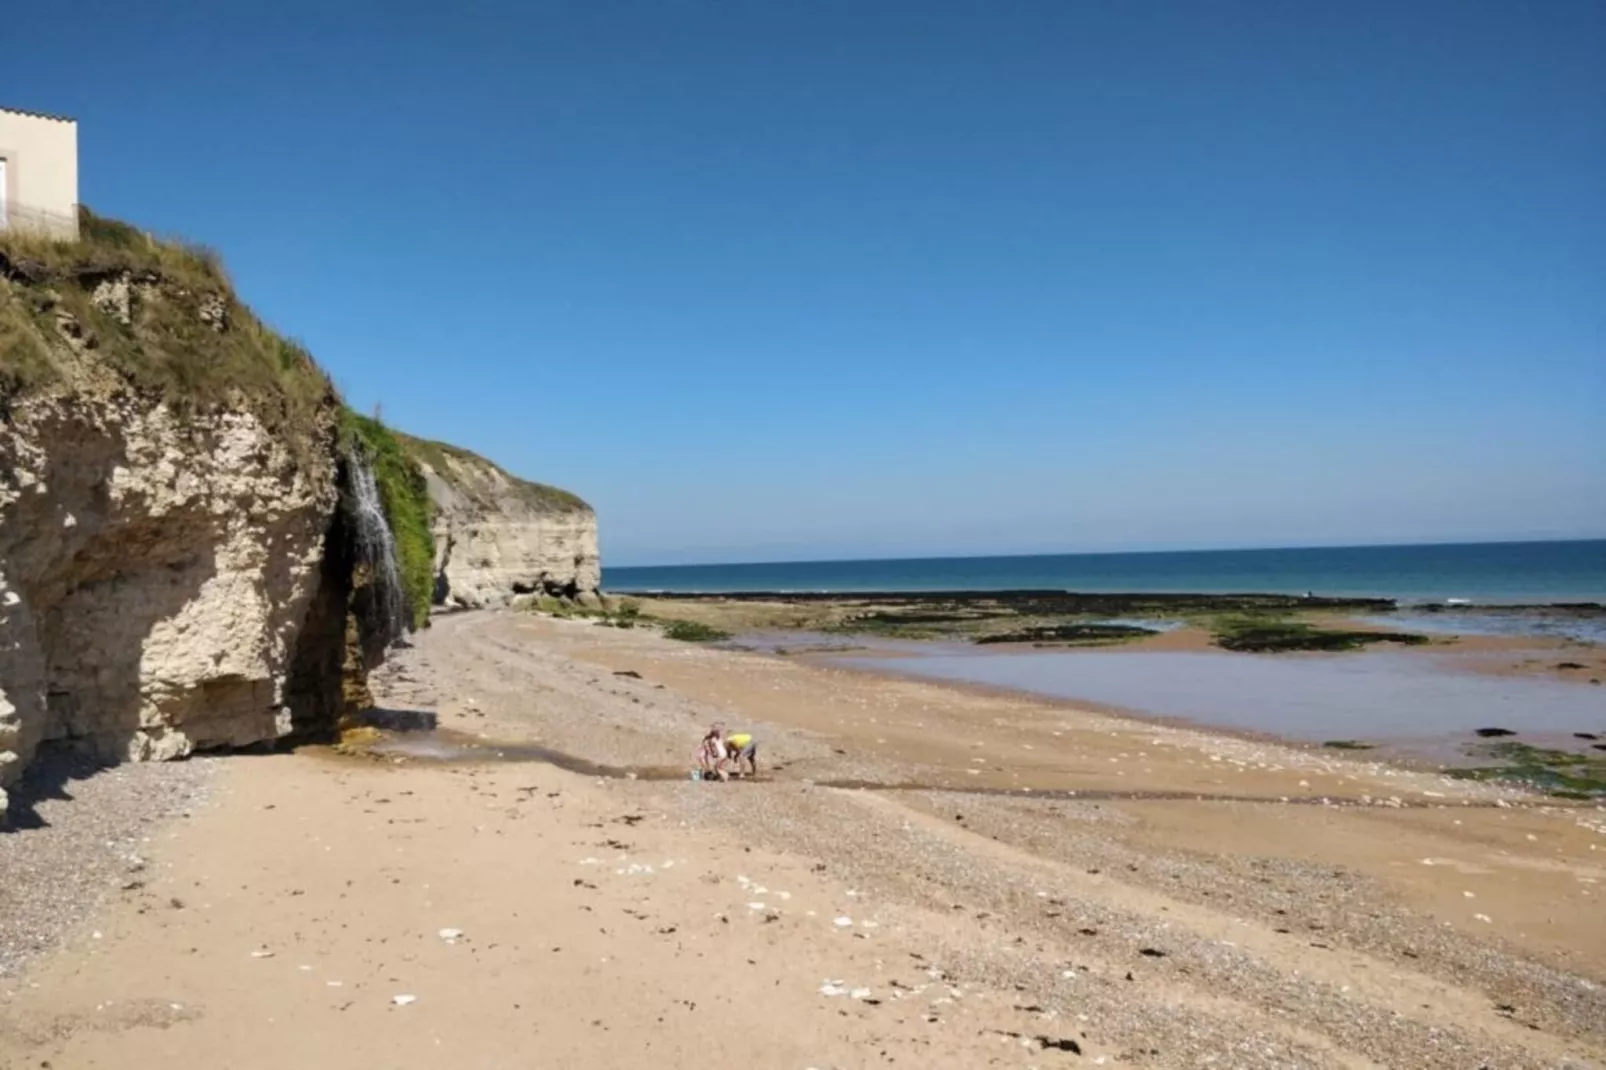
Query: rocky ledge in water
(1023,617)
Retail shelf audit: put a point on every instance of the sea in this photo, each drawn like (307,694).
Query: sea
(1494,573)
(1415,706)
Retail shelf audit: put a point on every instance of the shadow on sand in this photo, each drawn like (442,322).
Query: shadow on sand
(49,778)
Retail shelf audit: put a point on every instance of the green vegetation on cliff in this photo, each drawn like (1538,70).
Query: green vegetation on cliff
(405,497)
(158,318)
(120,313)
(461,468)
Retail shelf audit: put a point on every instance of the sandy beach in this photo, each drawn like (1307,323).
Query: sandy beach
(926,875)
(937,536)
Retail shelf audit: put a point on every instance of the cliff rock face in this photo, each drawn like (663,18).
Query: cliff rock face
(199,546)
(168,483)
(497,536)
(154,575)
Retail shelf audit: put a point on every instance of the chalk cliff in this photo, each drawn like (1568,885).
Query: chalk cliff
(498,536)
(155,576)
(200,546)
(181,565)
(167,482)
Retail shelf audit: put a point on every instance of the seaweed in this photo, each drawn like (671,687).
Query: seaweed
(1260,636)
(1087,634)
(1566,774)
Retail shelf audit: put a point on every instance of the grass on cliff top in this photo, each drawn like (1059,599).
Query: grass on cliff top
(106,246)
(438,456)
(47,319)
(405,497)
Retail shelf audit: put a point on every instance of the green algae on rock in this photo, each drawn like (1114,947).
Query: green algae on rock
(1563,773)
(1260,635)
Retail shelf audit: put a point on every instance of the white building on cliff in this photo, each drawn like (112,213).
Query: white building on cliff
(38,172)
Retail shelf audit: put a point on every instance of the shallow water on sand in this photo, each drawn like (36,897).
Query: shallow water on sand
(445,745)
(1387,697)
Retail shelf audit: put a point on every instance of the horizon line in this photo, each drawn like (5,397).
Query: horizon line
(1115,553)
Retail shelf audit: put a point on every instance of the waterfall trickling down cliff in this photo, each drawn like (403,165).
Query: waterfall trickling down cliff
(375,548)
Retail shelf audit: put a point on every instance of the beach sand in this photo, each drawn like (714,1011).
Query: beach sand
(1200,900)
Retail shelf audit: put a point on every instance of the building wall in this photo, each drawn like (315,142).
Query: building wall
(41,172)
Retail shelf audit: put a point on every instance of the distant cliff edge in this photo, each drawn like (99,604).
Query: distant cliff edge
(498,536)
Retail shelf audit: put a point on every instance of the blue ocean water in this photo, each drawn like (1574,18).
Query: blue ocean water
(1504,572)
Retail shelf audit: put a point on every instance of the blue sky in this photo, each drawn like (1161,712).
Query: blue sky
(875,277)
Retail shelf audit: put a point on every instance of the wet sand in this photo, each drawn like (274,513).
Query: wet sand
(1175,910)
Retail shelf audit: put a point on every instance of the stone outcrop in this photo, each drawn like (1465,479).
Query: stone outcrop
(196,538)
(173,574)
(155,575)
(498,536)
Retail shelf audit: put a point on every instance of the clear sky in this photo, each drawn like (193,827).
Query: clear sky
(896,277)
